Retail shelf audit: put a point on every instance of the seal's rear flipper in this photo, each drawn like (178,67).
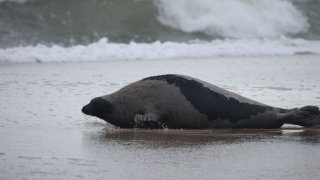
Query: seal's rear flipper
(307,116)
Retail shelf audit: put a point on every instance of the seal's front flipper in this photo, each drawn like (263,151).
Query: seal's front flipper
(307,116)
(149,120)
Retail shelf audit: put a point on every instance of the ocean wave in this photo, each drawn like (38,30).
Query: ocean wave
(105,51)
(75,22)
(233,18)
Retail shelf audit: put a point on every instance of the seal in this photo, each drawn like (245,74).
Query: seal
(177,101)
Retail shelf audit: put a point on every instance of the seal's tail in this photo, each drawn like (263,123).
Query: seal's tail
(307,116)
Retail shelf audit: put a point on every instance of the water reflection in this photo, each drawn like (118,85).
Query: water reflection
(306,136)
(180,138)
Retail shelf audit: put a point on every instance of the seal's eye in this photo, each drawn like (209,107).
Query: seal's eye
(97,107)
(101,106)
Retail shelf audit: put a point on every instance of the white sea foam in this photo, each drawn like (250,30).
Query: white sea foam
(104,50)
(233,18)
(16,1)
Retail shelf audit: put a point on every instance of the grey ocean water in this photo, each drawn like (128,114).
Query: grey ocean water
(102,30)
(85,21)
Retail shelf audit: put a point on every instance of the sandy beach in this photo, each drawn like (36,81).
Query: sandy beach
(44,135)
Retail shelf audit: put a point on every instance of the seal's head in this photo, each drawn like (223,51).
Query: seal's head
(98,107)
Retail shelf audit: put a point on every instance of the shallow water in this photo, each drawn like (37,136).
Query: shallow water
(44,135)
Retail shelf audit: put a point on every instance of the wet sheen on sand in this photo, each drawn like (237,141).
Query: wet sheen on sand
(44,135)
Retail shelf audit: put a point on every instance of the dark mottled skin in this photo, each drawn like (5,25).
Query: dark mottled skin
(211,103)
(177,101)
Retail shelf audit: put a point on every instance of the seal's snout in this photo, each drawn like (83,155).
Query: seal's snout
(97,107)
(86,110)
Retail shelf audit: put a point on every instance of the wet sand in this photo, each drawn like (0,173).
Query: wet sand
(44,135)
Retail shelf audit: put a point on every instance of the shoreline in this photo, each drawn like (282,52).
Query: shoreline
(261,57)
